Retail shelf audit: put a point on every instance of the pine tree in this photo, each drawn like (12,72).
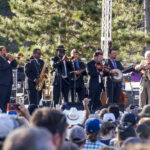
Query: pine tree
(75,24)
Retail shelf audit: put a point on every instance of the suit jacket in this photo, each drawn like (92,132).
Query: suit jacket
(32,72)
(80,80)
(109,80)
(94,76)
(58,68)
(6,71)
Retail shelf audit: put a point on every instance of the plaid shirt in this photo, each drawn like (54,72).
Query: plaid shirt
(93,145)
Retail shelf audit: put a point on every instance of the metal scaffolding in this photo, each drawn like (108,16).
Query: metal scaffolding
(106,33)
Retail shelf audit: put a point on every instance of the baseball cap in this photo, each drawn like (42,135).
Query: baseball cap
(93,125)
(77,134)
(109,117)
(129,118)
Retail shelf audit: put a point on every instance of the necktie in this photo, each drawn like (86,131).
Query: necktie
(114,64)
(64,70)
(77,64)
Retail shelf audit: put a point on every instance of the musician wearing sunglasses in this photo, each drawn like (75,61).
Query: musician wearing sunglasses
(77,81)
(7,63)
(62,67)
(144,68)
(96,75)
(33,68)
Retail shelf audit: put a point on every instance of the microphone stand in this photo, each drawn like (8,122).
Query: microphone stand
(38,75)
(60,80)
(60,88)
(74,81)
(132,94)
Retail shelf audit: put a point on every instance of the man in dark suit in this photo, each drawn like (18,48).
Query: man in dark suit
(113,88)
(33,70)
(77,82)
(62,67)
(7,63)
(95,82)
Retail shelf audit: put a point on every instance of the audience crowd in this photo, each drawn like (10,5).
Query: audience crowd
(109,128)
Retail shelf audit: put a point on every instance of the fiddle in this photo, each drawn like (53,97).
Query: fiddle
(101,66)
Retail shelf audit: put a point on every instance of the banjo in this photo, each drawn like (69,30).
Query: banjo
(119,74)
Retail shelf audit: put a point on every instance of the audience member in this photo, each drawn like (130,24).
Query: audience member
(54,121)
(115,110)
(139,146)
(70,146)
(92,127)
(145,111)
(7,125)
(29,139)
(109,117)
(77,136)
(124,131)
(108,132)
(143,131)
(129,118)
(131,140)
(145,120)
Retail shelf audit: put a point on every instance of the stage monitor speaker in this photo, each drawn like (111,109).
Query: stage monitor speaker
(133,97)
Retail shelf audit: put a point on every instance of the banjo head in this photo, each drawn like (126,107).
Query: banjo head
(119,76)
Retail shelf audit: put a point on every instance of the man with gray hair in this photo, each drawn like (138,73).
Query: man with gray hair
(144,67)
(29,139)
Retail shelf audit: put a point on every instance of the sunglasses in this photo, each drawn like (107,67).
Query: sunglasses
(39,53)
(61,51)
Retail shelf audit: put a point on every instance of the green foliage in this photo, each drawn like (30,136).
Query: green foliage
(75,24)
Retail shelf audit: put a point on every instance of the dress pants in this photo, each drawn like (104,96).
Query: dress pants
(94,95)
(144,92)
(113,93)
(80,91)
(34,96)
(5,92)
(63,88)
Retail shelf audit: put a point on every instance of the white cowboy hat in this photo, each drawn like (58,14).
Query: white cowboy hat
(74,116)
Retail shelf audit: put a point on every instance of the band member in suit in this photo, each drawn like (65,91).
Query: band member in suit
(7,63)
(33,69)
(77,82)
(113,88)
(95,82)
(103,61)
(62,66)
(144,67)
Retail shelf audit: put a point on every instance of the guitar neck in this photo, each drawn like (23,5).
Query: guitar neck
(127,69)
